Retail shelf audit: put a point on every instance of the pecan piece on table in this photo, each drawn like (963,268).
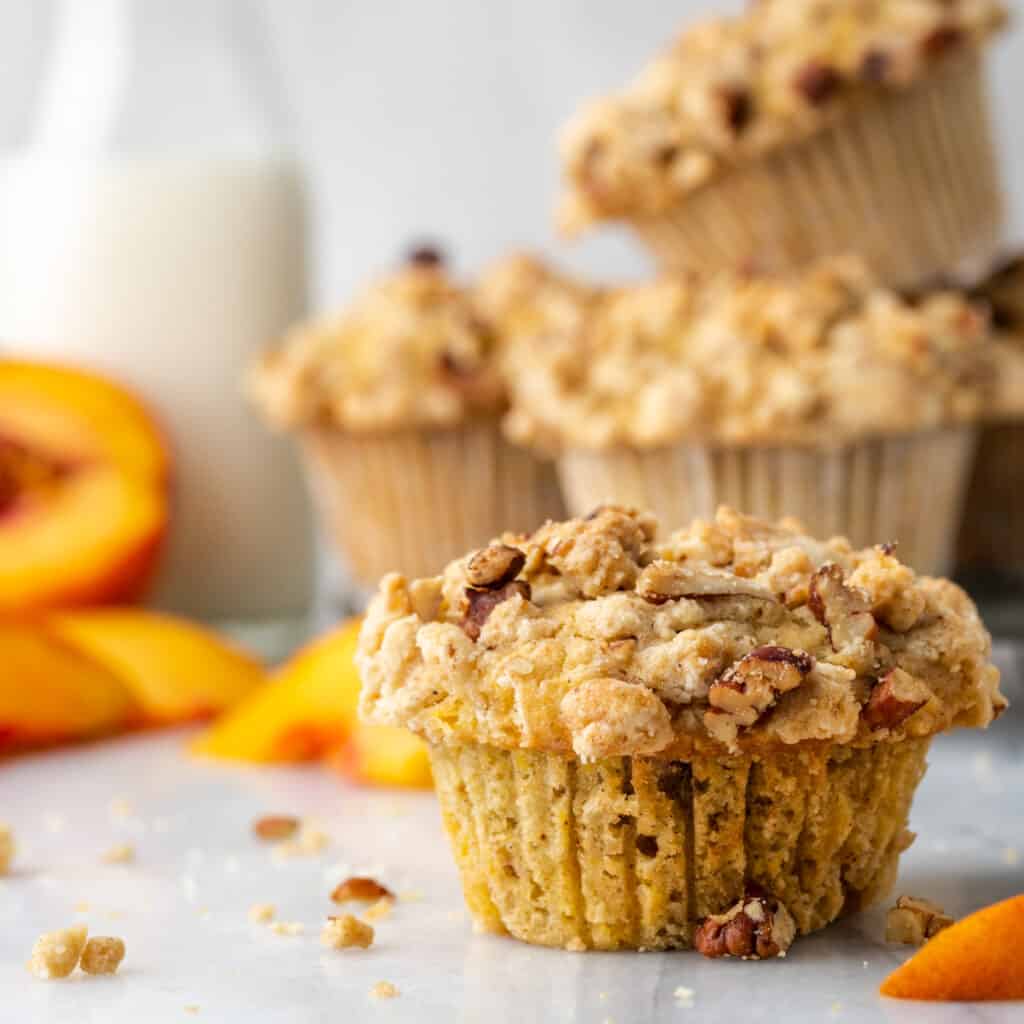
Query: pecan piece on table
(913,921)
(366,890)
(896,696)
(480,604)
(817,82)
(757,927)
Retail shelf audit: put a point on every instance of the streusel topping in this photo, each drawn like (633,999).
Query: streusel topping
(820,358)
(602,640)
(410,351)
(1003,292)
(731,88)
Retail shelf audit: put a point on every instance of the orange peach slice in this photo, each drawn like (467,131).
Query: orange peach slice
(978,958)
(83,489)
(177,671)
(50,693)
(384,755)
(307,708)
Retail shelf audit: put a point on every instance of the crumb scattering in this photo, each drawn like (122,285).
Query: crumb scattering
(6,848)
(383,990)
(275,827)
(287,927)
(379,910)
(684,996)
(121,808)
(262,913)
(56,954)
(102,955)
(119,853)
(346,932)
(309,842)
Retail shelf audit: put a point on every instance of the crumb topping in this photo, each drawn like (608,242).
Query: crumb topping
(1003,293)
(732,88)
(735,634)
(821,357)
(412,350)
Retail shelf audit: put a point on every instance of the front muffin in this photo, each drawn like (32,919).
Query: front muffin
(397,401)
(636,741)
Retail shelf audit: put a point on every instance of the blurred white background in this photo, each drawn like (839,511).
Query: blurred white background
(440,120)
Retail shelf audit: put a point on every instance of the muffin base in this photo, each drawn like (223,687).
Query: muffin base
(908,489)
(413,501)
(630,853)
(906,179)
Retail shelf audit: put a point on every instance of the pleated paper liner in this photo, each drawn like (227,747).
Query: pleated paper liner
(908,489)
(412,501)
(630,853)
(907,179)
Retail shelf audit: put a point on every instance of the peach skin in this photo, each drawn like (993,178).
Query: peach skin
(51,693)
(306,709)
(176,670)
(83,490)
(978,958)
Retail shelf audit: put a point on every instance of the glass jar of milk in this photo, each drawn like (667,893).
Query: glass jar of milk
(152,228)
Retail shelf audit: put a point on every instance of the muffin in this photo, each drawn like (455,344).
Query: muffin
(820,395)
(633,739)
(798,130)
(991,540)
(397,402)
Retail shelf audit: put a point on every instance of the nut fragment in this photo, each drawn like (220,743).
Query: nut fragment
(6,848)
(347,932)
(817,82)
(874,65)
(491,568)
(56,954)
(102,955)
(753,684)
(896,696)
(119,853)
(737,107)
(383,990)
(941,40)
(755,928)
(425,254)
(480,604)
(367,890)
(914,921)
(275,827)
(844,611)
(663,581)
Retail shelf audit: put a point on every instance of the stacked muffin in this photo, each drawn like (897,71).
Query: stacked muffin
(710,739)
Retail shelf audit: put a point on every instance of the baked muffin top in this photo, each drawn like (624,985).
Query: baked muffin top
(730,88)
(411,351)
(817,359)
(595,638)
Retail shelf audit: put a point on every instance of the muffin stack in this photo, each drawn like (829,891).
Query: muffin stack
(710,737)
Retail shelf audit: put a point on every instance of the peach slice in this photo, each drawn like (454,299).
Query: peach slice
(51,693)
(384,755)
(83,489)
(177,671)
(978,958)
(306,709)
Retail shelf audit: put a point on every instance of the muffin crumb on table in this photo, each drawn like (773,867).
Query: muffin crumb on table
(7,848)
(347,932)
(56,954)
(102,955)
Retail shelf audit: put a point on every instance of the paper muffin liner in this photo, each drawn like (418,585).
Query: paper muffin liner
(907,179)
(991,537)
(908,489)
(631,853)
(413,501)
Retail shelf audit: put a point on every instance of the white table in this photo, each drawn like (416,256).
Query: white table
(182,906)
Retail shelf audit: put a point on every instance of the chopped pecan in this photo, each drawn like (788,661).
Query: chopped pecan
(491,568)
(874,65)
(844,611)
(755,928)
(367,890)
(274,827)
(425,255)
(817,82)
(896,696)
(737,107)
(941,40)
(914,921)
(757,680)
(480,604)
(663,581)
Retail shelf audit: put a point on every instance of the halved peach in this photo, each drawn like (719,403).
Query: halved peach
(83,489)
(978,958)
(384,755)
(51,693)
(306,709)
(178,671)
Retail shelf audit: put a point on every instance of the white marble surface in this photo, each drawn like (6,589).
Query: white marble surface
(181,907)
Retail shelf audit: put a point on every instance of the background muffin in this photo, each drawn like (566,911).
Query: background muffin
(629,736)
(820,396)
(397,402)
(798,130)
